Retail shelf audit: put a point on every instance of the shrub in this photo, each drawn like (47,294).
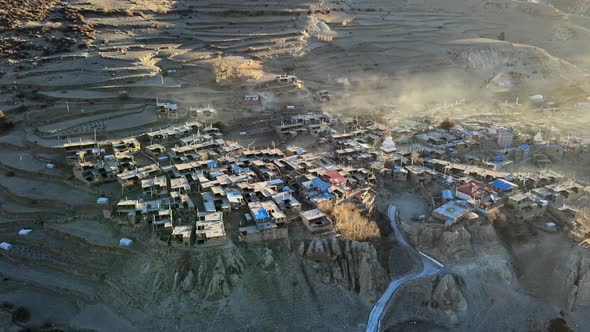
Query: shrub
(219,125)
(21,315)
(497,217)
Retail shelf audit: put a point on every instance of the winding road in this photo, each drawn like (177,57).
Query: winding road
(429,267)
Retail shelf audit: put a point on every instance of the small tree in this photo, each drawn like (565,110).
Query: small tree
(21,315)
(219,125)
(447,124)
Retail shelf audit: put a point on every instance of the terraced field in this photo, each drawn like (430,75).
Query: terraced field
(73,69)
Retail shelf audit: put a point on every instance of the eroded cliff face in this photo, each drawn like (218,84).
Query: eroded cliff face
(209,277)
(577,280)
(350,264)
(476,266)
(447,296)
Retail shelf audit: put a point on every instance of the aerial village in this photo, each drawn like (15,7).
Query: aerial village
(189,187)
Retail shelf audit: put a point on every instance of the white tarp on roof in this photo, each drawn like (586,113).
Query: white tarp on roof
(5,246)
(125,242)
(24,231)
(102,200)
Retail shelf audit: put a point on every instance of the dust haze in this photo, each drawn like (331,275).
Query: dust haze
(367,104)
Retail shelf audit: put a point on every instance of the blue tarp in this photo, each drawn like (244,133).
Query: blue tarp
(503,184)
(447,194)
(501,157)
(525,146)
(212,163)
(300,151)
(320,184)
(261,214)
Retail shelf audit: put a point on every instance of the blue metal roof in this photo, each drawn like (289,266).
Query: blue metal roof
(503,184)
(237,169)
(320,184)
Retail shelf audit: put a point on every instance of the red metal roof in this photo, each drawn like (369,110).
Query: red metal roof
(334,177)
(474,189)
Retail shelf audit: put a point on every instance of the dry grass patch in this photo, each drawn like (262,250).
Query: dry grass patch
(350,223)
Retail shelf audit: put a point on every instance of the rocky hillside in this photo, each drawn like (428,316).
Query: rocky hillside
(350,264)
(315,279)
(526,64)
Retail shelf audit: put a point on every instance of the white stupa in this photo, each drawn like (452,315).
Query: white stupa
(538,138)
(388,145)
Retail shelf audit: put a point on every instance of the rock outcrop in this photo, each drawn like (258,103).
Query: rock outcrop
(451,244)
(219,285)
(456,244)
(447,296)
(268,261)
(483,234)
(351,264)
(201,276)
(188,282)
(234,266)
(426,236)
(176,280)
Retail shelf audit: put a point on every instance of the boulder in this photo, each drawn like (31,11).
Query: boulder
(268,261)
